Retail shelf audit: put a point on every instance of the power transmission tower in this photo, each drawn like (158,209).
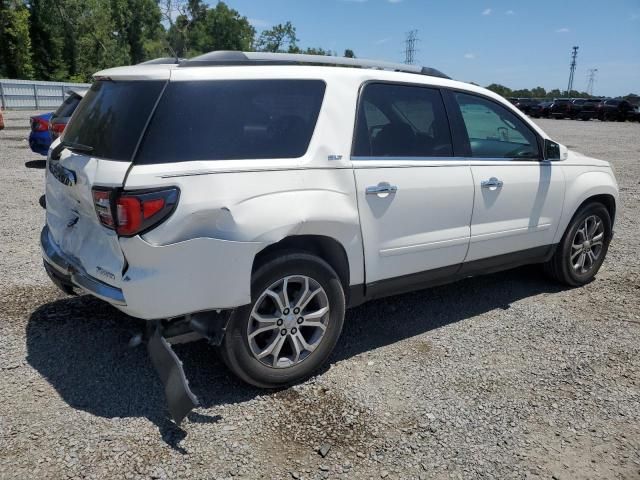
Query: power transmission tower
(591,78)
(410,47)
(572,69)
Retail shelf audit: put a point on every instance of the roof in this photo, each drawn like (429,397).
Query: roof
(159,68)
(227,58)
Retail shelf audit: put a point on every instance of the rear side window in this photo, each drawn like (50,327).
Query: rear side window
(111,117)
(401,121)
(232,120)
(494,131)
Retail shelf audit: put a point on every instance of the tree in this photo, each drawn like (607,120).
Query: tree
(277,38)
(538,92)
(182,16)
(500,89)
(349,53)
(221,28)
(314,51)
(15,41)
(526,93)
(47,41)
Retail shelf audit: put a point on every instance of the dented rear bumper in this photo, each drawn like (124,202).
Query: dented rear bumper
(164,281)
(68,273)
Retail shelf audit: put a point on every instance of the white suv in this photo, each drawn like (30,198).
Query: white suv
(252,197)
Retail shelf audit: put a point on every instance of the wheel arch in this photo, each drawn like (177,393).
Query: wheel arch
(589,187)
(327,248)
(606,199)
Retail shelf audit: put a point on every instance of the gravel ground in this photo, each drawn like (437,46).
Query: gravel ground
(505,376)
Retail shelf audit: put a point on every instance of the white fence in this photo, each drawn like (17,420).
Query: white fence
(33,95)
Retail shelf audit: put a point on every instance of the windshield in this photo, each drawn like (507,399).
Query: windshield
(111,117)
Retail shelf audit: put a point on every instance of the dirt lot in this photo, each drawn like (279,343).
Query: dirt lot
(506,376)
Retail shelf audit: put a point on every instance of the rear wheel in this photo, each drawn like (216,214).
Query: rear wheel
(292,324)
(583,247)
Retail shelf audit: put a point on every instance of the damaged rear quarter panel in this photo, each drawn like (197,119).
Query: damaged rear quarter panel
(223,219)
(187,276)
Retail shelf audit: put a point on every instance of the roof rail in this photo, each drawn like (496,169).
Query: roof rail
(162,61)
(224,57)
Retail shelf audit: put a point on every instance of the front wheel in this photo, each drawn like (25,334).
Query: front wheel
(292,324)
(583,247)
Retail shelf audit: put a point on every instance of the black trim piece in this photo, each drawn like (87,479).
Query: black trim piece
(507,261)
(459,136)
(359,294)
(413,281)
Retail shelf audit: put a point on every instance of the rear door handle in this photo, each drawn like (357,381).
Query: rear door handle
(382,189)
(492,183)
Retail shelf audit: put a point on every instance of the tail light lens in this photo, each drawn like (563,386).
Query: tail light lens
(57,129)
(131,213)
(39,125)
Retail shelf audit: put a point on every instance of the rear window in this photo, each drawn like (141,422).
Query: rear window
(111,117)
(232,119)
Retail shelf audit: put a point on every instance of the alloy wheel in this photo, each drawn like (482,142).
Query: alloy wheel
(587,245)
(288,321)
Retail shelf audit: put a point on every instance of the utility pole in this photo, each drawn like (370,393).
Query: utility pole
(591,78)
(572,69)
(410,47)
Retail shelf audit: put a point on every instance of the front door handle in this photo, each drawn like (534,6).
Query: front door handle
(382,189)
(492,183)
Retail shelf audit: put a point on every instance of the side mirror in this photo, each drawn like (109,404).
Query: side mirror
(555,151)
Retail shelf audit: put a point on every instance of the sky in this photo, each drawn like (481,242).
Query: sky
(514,43)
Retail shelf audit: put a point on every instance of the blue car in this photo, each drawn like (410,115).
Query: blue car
(40,138)
(47,127)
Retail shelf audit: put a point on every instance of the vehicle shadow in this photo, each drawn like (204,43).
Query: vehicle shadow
(79,344)
(38,164)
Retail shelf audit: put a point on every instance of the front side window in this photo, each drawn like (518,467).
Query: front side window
(494,131)
(401,121)
(232,120)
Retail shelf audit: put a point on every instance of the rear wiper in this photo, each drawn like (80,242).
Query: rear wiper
(55,153)
(77,146)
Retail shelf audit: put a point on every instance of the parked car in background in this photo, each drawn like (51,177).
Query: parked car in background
(614,109)
(634,115)
(39,137)
(540,109)
(61,116)
(582,108)
(48,126)
(559,108)
(525,104)
(241,203)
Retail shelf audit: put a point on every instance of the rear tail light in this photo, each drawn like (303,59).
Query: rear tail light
(39,125)
(131,213)
(57,129)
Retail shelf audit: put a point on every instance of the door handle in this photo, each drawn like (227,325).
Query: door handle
(492,183)
(382,189)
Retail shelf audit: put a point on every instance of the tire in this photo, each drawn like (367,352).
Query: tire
(560,267)
(284,368)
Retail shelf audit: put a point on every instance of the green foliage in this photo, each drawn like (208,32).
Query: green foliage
(537,92)
(221,28)
(279,38)
(15,41)
(500,90)
(73,39)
